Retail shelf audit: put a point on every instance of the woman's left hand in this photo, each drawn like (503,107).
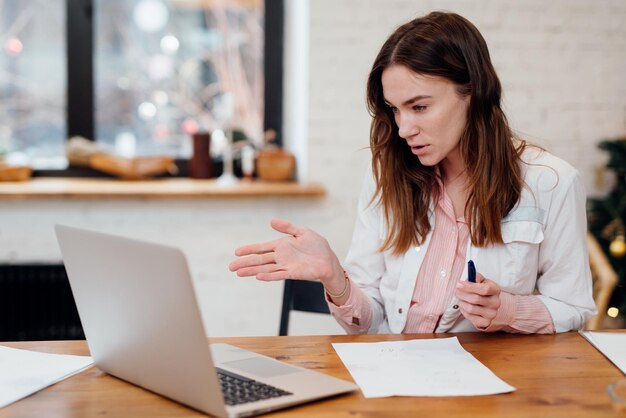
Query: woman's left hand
(479,302)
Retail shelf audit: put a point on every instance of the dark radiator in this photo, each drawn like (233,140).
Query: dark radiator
(36,303)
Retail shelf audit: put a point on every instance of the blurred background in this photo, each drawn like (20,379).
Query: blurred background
(165,69)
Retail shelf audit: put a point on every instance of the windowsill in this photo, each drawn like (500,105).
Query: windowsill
(157,188)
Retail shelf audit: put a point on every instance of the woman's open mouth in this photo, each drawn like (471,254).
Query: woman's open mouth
(419,149)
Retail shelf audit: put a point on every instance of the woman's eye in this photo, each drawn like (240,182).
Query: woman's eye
(419,108)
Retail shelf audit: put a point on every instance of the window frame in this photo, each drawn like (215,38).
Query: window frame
(80,113)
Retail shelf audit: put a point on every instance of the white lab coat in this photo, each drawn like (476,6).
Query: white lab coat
(544,252)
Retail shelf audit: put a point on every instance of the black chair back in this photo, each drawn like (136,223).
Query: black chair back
(301,295)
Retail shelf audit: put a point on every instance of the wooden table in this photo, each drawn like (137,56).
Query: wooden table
(555,376)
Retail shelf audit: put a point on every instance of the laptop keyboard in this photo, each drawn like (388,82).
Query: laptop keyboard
(238,389)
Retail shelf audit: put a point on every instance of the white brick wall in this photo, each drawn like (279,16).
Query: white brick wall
(562,64)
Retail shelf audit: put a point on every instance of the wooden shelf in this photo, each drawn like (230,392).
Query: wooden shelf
(157,188)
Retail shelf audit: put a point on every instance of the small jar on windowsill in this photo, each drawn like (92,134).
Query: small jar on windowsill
(275,164)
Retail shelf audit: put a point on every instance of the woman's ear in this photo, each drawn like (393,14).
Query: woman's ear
(465,89)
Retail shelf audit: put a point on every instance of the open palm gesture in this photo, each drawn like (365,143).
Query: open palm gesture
(301,255)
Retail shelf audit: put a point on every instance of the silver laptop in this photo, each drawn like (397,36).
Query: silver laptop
(142,322)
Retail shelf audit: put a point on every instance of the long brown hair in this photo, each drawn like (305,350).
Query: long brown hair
(449,46)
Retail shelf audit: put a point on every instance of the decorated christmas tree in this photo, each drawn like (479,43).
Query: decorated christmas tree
(607,220)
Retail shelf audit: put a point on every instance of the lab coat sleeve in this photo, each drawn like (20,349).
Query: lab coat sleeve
(564,283)
(365,263)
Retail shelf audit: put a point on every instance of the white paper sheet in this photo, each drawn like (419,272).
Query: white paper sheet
(423,367)
(24,372)
(611,344)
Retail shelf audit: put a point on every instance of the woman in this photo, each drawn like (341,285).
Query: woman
(449,183)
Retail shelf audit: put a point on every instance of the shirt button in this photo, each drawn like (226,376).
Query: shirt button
(430,316)
(442,273)
(400,311)
(455,307)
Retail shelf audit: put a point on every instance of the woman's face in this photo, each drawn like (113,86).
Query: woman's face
(431,116)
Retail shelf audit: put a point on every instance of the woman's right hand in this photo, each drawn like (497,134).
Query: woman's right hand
(301,255)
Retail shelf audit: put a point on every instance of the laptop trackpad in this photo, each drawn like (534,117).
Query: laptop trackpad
(262,367)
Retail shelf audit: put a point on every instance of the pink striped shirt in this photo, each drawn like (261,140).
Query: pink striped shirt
(435,285)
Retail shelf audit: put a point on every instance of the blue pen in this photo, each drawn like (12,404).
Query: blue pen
(471,272)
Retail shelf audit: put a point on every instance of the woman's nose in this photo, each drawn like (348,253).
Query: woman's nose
(406,126)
